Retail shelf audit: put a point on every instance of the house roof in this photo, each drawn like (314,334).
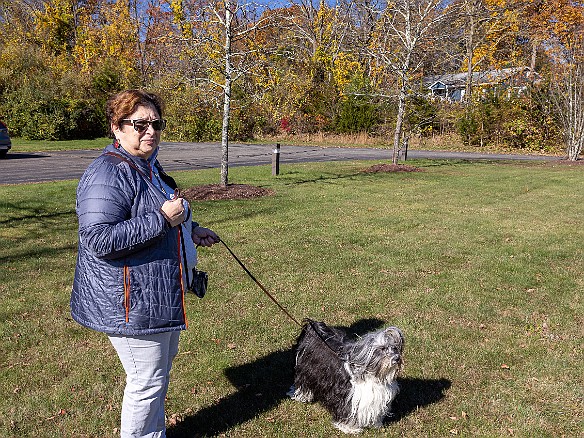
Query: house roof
(455,80)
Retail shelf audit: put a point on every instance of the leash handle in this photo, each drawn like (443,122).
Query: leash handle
(259,284)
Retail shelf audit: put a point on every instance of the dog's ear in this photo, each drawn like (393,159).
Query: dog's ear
(395,337)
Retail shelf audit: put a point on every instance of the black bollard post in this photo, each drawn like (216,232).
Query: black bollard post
(276,160)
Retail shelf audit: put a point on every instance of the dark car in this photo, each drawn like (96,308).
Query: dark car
(5,143)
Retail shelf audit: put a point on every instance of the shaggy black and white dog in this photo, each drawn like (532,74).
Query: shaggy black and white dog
(355,379)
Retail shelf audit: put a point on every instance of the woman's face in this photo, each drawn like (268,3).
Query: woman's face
(140,143)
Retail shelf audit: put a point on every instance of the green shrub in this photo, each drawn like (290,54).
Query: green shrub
(356,115)
(201,126)
(521,122)
(527,123)
(480,123)
(36,115)
(421,116)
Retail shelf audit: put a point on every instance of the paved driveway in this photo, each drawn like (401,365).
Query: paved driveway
(51,166)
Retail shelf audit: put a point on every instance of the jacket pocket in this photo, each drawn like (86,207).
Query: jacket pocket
(127,292)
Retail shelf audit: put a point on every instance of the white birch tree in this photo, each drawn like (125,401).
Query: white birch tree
(221,39)
(567,92)
(403,31)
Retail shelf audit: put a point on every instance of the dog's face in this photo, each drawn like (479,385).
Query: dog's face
(377,353)
(391,349)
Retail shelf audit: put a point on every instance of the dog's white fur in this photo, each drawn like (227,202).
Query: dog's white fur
(370,401)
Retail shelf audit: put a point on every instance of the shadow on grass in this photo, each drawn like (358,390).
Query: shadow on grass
(262,385)
(415,394)
(33,214)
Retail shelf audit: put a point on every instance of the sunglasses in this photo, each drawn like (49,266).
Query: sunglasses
(141,125)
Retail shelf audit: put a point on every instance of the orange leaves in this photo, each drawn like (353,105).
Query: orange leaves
(558,20)
(61,413)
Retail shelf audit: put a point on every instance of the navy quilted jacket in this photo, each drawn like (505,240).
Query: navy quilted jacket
(128,276)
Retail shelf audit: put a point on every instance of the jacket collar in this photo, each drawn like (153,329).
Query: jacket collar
(142,164)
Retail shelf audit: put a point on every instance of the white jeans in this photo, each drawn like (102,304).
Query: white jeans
(147,361)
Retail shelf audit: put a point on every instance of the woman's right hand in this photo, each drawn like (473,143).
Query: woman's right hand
(173,211)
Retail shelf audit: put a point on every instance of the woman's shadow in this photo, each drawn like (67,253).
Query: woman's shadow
(262,385)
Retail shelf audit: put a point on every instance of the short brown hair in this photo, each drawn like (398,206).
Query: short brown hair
(121,105)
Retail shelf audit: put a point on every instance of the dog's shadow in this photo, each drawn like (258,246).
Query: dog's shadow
(262,384)
(415,394)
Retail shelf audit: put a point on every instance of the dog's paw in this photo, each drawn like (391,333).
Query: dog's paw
(299,395)
(350,429)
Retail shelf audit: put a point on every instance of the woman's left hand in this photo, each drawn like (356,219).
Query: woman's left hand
(204,236)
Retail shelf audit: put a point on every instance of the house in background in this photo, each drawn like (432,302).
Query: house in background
(452,87)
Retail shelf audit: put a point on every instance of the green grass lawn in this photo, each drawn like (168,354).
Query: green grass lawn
(23,145)
(480,265)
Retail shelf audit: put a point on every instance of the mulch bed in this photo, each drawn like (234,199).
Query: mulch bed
(214,192)
(567,162)
(378,168)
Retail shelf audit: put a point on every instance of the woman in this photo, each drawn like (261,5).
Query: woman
(136,250)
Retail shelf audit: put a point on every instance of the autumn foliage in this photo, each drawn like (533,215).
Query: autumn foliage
(298,68)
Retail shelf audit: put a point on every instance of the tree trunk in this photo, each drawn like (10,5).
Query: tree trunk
(469,56)
(401,110)
(573,108)
(226,97)
(533,59)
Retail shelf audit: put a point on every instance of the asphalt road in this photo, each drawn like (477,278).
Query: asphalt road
(20,168)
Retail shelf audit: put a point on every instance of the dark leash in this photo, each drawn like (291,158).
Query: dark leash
(259,284)
(282,308)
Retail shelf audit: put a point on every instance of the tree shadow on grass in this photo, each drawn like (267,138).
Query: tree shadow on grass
(262,384)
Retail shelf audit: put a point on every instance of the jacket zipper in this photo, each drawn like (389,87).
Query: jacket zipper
(127,292)
(180,271)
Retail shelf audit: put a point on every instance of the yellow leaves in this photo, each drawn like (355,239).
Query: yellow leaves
(55,26)
(109,34)
(324,23)
(345,68)
(178,11)
(179,18)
